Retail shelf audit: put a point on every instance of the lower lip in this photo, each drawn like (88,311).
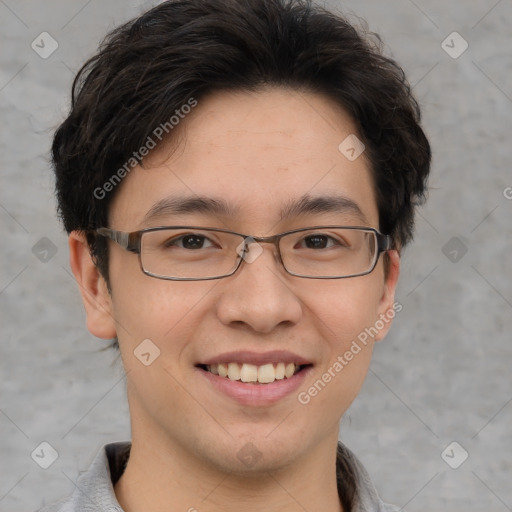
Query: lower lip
(256,394)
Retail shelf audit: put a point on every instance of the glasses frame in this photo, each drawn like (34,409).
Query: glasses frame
(132,242)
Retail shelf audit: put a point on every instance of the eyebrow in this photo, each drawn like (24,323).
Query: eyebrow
(217,206)
(323,204)
(189,205)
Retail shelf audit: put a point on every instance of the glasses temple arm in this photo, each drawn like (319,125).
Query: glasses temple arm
(128,241)
(384,242)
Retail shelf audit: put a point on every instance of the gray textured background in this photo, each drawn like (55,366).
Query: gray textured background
(442,375)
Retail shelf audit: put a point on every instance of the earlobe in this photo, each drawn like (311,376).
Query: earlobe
(95,295)
(387,306)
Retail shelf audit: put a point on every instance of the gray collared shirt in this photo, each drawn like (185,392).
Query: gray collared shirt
(95,488)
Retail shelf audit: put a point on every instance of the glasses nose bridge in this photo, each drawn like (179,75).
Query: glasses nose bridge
(273,239)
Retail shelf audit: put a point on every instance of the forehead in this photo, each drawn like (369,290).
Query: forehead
(258,154)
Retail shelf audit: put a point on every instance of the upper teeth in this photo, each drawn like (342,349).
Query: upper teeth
(251,373)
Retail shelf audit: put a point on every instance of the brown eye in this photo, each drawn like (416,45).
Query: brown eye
(319,241)
(316,241)
(192,242)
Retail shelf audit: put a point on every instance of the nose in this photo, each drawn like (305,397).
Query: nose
(259,295)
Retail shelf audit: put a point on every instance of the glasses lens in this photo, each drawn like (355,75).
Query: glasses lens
(189,253)
(329,252)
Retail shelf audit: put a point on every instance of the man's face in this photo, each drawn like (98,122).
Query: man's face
(259,154)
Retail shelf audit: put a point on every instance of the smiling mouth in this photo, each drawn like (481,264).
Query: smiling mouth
(254,374)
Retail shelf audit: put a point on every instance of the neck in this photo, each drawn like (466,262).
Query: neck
(160,472)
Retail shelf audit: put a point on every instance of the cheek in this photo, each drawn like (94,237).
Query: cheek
(156,322)
(148,308)
(345,308)
(344,315)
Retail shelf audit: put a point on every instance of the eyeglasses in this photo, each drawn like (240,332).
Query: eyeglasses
(187,253)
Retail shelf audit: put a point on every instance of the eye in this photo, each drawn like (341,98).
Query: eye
(190,241)
(318,241)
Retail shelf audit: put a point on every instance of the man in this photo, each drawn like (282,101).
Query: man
(238,179)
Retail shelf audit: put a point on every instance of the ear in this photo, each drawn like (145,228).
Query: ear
(95,295)
(387,307)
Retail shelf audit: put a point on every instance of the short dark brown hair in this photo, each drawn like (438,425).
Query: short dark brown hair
(150,67)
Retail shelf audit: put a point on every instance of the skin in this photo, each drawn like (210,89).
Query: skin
(258,152)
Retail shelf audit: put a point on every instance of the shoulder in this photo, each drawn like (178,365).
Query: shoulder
(60,506)
(366,497)
(96,485)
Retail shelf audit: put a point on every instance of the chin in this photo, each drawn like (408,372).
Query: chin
(250,456)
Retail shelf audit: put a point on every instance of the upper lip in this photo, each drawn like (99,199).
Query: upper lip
(256,358)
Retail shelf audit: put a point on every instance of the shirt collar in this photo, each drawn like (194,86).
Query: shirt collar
(95,488)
